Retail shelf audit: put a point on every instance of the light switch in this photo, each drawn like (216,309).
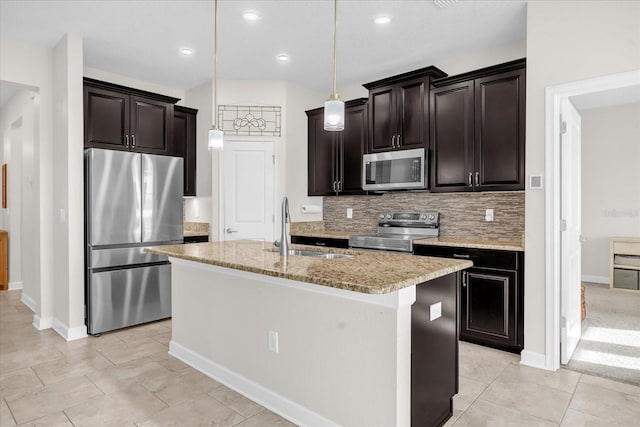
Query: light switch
(349,213)
(435,311)
(63,215)
(488,215)
(273,341)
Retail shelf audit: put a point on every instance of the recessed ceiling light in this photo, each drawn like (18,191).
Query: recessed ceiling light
(251,15)
(282,57)
(382,19)
(187,51)
(444,3)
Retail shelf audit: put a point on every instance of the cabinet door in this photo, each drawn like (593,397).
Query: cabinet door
(321,157)
(488,306)
(353,143)
(382,114)
(106,119)
(184,139)
(451,116)
(152,126)
(500,131)
(412,126)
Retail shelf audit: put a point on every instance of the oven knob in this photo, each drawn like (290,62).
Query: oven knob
(432,217)
(381,216)
(423,217)
(388,216)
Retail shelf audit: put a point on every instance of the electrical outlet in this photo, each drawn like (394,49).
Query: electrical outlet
(435,311)
(349,213)
(488,215)
(273,341)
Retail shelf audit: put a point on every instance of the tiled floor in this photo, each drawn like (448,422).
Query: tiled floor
(127,378)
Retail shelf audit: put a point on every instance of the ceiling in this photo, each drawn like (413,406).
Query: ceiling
(140,39)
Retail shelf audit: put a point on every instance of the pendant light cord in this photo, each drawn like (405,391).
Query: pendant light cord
(335,30)
(215,63)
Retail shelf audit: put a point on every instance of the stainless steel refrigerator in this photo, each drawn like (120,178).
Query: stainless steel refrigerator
(132,200)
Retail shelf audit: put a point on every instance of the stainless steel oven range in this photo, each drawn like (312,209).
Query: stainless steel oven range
(398,230)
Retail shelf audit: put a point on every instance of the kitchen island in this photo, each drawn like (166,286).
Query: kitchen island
(367,340)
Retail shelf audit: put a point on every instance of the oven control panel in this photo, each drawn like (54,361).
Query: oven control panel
(408,219)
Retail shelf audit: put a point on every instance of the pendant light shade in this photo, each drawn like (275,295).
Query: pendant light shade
(216,136)
(334,107)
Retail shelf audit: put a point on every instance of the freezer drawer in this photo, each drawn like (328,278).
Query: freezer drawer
(121,298)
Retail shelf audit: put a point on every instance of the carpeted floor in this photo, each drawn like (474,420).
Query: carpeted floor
(610,344)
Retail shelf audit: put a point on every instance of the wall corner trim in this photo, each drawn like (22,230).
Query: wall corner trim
(29,302)
(42,323)
(14,286)
(533,359)
(595,279)
(69,334)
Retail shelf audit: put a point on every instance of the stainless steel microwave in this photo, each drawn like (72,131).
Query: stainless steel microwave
(395,170)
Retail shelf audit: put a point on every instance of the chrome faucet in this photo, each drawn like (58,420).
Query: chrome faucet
(284,238)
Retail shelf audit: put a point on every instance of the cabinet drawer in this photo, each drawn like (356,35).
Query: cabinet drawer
(507,260)
(320,241)
(626,248)
(625,279)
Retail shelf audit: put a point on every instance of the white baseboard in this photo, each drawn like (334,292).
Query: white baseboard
(68,333)
(282,406)
(14,286)
(533,359)
(29,302)
(595,279)
(42,323)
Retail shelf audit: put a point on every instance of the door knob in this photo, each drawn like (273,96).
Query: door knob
(230,230)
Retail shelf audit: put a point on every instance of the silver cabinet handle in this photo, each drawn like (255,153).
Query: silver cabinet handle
(229,230)
(339,186)
(133,141)
(126,141)
(398,141)
(470,178)
(335,186)
(464,280)
(461,256)
(393,141)
(477,179)
(320,244)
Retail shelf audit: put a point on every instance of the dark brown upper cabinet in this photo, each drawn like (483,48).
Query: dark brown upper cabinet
(335,158)
(121,118)
(184,138)
(399,110)
(478,130)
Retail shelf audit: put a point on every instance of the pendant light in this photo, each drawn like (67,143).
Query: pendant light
(216,141)
(334,107)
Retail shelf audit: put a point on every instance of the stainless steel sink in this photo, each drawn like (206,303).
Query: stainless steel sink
(316,254)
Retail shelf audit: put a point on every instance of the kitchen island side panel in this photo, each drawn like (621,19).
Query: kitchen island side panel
(343,360)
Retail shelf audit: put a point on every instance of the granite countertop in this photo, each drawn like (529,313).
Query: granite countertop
(364,272)
(325,233)
(503,245)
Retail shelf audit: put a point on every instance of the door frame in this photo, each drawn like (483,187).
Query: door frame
(221,186)
(554,96)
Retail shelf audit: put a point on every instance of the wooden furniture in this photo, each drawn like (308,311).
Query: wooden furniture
(335,158)
(625,263)
(184,138)
(4,260)
(122,118)
(399,110)
(477,124)
(491,295)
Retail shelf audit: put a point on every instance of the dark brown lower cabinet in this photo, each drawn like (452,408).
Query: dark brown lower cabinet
(491,295)
(320,241)
(434,352)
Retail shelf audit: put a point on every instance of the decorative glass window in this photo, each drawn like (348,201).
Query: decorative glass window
(249,120)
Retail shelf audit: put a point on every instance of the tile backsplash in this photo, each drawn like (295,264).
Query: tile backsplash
(461,214)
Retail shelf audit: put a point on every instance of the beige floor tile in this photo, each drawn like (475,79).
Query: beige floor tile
(266,419)
(611,385)
(178,387)
(117,409)
(201,410)
(127,351)
(527,397)
(469,390)
(562,379)
(245,407)
(483,364)
(25,358)
(52,398)
(483,413)
(575,418)
(609,404)
(59,419)
(18,382)
(168,361)
(123,376)
(138,332)
(71,365)
(6,419)
(163,338)
(87,345)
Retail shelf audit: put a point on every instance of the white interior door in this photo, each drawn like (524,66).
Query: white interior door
(570,322)
(248,185)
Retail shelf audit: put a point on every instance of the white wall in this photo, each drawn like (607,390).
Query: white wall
(610,183)
(122,80)
(566,41)
(30,66)
(68,176)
